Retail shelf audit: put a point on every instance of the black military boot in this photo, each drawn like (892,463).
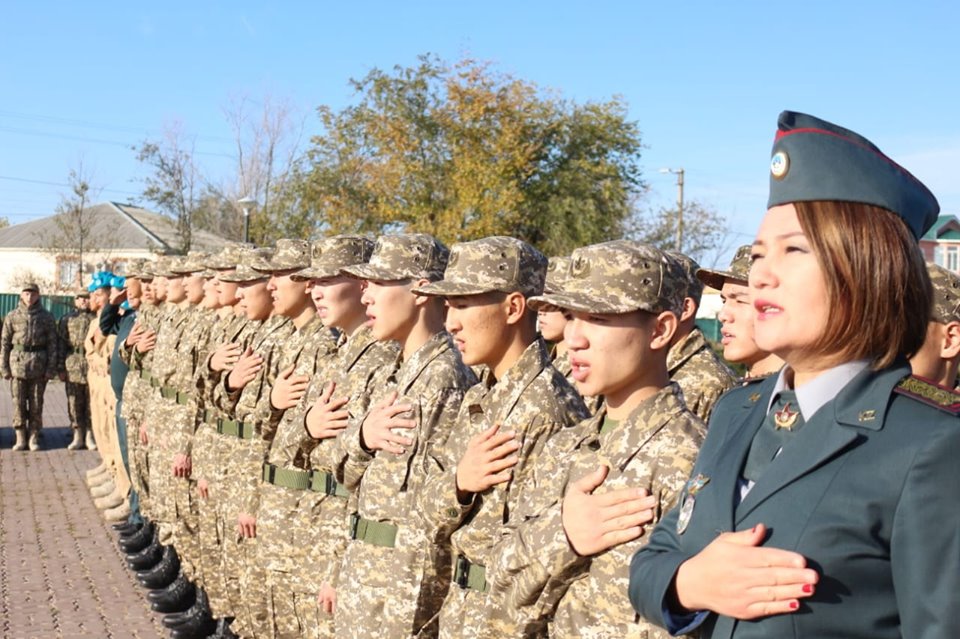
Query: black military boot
(125,529)
(146,558)
(223,630)
(164,573)
(139,540)
(177,597)
(196,622)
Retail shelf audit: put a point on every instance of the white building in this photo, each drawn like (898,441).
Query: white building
(39,251)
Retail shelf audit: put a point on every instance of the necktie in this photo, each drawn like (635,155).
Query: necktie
(781,424)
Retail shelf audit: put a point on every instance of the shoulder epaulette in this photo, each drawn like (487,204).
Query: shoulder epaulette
(942,397)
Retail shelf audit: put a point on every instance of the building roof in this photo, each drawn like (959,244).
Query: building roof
(943,229)
(114,227)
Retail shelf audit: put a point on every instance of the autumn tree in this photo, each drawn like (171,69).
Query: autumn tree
(705,235)
(175,184)
(75,220)
(462,151)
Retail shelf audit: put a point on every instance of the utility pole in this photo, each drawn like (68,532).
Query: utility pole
(246,204)
(678,244)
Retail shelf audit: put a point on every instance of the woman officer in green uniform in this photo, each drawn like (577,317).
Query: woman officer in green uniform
(823,502)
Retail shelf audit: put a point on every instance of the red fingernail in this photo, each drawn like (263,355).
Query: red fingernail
(807,588)
(794,605)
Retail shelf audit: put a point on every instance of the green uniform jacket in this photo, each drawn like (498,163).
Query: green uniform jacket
(867,492)
(28,347)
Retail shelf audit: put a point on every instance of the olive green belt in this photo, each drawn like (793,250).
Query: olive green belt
(168,392)
(323,482)
(378,533)
(234,428)
(78,350)
(23,348)
(468,575)
(145,376)
(286,477)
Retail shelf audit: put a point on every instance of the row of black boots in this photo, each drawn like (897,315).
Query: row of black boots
(185,605)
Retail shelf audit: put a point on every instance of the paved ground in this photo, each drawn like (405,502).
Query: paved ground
(61,573)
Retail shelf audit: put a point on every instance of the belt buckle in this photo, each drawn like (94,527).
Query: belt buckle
(462,576)
(328,484)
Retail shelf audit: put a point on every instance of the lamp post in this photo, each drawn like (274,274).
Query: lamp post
(247,204)
(679,174)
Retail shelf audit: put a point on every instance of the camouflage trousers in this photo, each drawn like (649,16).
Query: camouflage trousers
(28,402)
(390,592)
(186,530)
(78,405)
(246,585)
(131,410)
(207,466)
(162,417)
(293,610)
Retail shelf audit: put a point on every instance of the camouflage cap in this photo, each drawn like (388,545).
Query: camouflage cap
(499,263)
(228,257)
(557,268)
(161,267)
(80,292)
(245,271)
(401,257)
(287,255)
(687,273)
(192,262)
(134,268)
(738,272)
(332,254)
(618,277)
(946,294)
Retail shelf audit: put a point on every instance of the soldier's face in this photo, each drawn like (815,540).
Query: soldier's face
(193,288)
(176,292)
(551,324)
(81,303)
(289,296)
(255,300)
(210,294)
(226,291)
(476,323)
(611,354)
(160,289)
(788,291)
(148,293)
(29,297)
(337,300)
(97,299)
(391,309)
(737,317)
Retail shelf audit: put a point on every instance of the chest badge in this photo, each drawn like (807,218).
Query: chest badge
(785,418)
(694,486)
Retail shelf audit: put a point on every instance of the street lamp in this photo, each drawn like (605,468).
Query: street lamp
(679,174)
(247,204)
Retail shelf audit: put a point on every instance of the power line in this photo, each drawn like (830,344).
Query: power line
(77,138)
(46,183)
(97,125)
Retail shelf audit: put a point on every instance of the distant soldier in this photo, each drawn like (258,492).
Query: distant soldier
(939,357)
(29,359)
(72,365)
(702,376)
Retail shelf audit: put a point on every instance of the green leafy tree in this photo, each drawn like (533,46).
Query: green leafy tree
(462,152)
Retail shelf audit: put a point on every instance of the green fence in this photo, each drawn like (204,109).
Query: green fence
(59,305)
(710,328)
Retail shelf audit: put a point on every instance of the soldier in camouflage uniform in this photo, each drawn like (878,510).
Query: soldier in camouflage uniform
(566,557)
(737,317)
(939,357)
(73,366)
(28,354)
(243,396)
(692,363)
(551,323)
(291,515)
(388,578)
(479,477)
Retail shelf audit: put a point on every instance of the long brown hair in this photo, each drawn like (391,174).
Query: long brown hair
(879,290)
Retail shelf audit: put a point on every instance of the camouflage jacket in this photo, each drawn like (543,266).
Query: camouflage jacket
(533,400)
(433,381)
(28,343)
(72,330)
(136,388)
(250,406)
(536,576)
(703,378)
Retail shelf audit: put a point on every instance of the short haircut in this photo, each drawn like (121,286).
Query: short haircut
(879,290)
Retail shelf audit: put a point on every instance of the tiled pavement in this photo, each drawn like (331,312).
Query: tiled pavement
(61,573)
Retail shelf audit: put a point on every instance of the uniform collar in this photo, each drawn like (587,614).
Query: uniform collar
(814,394)
(685,349)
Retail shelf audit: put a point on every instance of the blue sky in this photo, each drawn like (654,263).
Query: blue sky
(704,80)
